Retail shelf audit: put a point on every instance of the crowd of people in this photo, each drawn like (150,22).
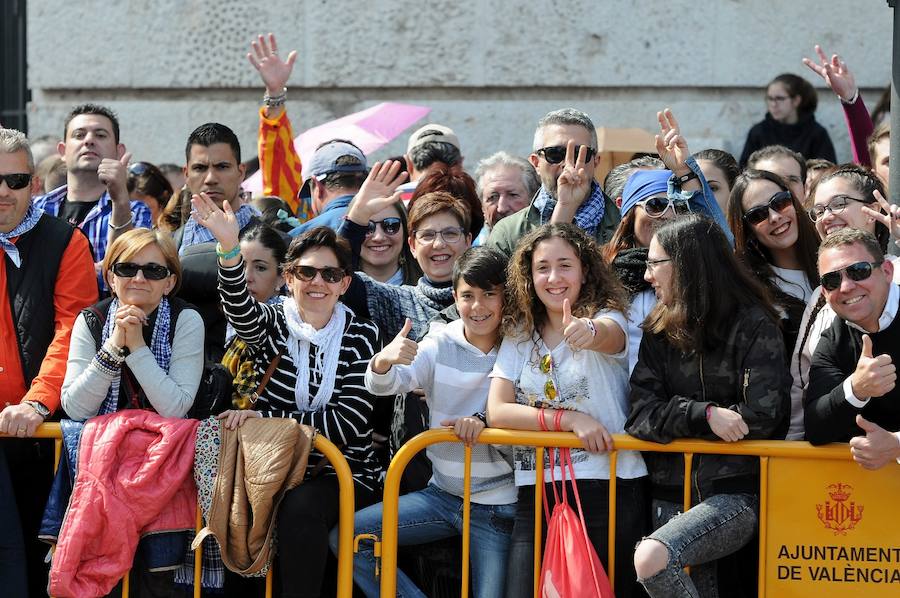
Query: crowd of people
(690,295)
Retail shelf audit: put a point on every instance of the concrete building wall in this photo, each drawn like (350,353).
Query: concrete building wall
(489,69)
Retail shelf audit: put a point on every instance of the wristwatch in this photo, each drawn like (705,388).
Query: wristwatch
(39,408)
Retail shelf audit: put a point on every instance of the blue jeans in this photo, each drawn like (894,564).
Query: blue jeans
(432,514)
(717,527)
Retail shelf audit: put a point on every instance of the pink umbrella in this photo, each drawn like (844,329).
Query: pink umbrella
(371,129)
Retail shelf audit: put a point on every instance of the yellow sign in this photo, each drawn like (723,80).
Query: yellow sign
(833,529)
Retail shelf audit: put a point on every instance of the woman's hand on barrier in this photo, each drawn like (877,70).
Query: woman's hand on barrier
(727,424)
(378,192)
(235,418)
(835,72)
(130,320)
(670,144)
(592,434)
(466,429)
(400,351)
(273,71)
(221,222)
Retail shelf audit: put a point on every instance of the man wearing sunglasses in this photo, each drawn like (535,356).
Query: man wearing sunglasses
(852,395)
(46,278)
(336,172)
(568,190)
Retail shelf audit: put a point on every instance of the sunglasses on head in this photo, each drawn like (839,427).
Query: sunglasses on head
(657,206)
(139,168)
(856,272)
(308,273)
(390,226)
(777,203)
(130,269)
(16,181)
(555,154)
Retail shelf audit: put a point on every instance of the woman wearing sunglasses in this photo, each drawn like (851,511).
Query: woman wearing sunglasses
(775,240)
(647,204)
(847,196)
(710,366)
(322,350)
(384,254)
(565,354)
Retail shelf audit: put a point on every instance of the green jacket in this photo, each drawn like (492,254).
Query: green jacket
(506,233)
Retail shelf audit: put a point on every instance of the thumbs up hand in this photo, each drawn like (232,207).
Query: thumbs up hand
(400,351)
(114,174)
(877,448)
(579,333)
(874,376)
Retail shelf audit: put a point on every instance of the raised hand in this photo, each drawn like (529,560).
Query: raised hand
(727,424)
(274,71)
(378,191)
(890,217)
(574,182)
(221,223)
(670,145)
(874,376)
(576,331)
(466,429)
(835,72)
(877,448)
(400,351)
(114,174)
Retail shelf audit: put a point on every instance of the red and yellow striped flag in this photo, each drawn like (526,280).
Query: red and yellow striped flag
(280,163)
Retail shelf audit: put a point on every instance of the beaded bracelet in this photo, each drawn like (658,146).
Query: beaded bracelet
(275,101)
(227,255)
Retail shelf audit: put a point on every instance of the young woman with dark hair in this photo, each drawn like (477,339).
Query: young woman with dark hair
(711,366)
(790,121)
(720,169)
(147,184)
(775,240)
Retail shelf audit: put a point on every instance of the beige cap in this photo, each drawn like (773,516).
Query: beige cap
(432,132)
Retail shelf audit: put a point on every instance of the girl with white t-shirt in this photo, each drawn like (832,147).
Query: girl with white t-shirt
(565,350)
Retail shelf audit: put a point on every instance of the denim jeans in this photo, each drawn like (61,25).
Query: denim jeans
(718,526)
(431,514)
(631,524)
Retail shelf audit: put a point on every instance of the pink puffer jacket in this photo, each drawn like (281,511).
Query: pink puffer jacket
(134,477)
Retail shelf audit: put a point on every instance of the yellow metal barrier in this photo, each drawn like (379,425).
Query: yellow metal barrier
(345,513)
(541,440)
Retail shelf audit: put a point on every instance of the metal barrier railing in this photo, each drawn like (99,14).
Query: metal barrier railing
(345,513)
(764,449)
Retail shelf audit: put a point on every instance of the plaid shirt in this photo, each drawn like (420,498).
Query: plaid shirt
(96,223)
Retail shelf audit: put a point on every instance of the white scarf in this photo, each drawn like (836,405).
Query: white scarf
(328,347)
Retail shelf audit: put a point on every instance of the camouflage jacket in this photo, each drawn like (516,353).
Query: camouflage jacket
(670,391)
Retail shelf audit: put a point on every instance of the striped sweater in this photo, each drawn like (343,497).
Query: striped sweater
(347,418)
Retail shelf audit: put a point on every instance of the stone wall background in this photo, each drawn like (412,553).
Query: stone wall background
(489,69)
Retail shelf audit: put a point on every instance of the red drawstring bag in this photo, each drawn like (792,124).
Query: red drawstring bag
(571,567)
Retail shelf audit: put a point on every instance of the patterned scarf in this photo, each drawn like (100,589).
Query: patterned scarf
(589,214)
(327,343)
(32,215)
(195,233)
(159,346)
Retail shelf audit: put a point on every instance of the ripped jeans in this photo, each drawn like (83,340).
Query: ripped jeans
(712,529)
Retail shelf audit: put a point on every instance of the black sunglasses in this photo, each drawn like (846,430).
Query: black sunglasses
(16,181)
(308,273)
(130,269)
(855,272)
(390,226)
(778,203)
(657,206)
(555,154)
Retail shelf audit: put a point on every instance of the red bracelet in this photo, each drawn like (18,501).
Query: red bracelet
(541,420)
(557,419)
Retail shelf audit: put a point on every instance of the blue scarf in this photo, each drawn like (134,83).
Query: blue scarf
(32,215)
(159,346)
(195,233)
(589,214)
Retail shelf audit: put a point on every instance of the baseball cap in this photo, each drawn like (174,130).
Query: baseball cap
(325,162)
(432,132)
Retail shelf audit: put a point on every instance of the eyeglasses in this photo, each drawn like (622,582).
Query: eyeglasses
(449,235)
(651,264)
(16,181)
(835,206)
(657,206)
(130,269)
(330,275)
(546,366)
(777,203)
(777,99)
(856,272)
(555,154)
(390,226)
